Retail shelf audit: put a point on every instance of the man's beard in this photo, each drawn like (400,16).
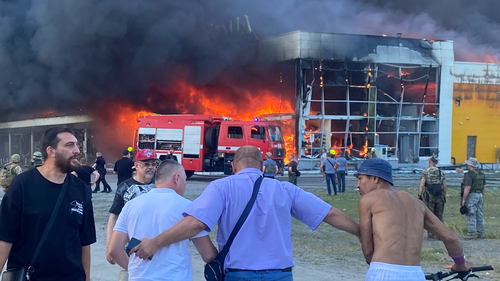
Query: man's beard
(150,175)
(66,165)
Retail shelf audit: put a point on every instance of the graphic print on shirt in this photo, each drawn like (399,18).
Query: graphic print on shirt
(76,207)
(136,190)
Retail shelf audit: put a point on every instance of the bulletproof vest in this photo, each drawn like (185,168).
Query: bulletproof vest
(478,181)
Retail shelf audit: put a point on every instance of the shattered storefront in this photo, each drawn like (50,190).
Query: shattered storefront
(356,92)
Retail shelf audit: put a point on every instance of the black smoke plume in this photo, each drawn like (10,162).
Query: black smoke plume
(68,55)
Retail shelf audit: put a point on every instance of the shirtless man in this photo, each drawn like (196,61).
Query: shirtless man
(392,227)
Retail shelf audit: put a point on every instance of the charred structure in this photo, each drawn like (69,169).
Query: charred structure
(356,92)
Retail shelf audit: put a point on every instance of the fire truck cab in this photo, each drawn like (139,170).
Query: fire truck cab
(203,143)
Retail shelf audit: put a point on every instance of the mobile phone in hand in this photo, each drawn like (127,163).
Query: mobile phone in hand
(132,244)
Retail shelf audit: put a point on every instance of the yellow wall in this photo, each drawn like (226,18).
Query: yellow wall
(478,115)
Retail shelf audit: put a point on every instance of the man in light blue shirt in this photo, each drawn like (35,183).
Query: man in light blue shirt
(262,250)
(341,171)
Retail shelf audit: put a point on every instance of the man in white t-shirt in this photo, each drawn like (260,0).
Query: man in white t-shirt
(149,215)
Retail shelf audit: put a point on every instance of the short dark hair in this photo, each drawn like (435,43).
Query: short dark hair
(166,169)
(83,160)
(50,138)
(126,152)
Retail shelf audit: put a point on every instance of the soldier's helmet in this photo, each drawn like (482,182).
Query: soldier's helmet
(15,158)
(37,155)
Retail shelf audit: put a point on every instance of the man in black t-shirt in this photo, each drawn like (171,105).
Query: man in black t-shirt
(27,206)
(85,174)
(124,167)
(140,183)
(100,166)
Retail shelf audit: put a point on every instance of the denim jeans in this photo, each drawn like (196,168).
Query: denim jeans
(261,275)
(341,180)
(331,177)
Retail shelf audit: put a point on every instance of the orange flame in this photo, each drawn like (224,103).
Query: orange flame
(257,104)
(365,148)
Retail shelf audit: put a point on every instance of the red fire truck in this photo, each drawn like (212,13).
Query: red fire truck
(203,143)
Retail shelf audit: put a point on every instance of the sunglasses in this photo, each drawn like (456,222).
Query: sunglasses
(149,164)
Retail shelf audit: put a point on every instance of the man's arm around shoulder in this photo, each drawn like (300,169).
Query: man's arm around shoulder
(186,228)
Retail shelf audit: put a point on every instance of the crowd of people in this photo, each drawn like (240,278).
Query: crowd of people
(150,212)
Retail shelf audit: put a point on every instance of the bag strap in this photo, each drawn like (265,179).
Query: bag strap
(241,221)
(49,225)
(327,159)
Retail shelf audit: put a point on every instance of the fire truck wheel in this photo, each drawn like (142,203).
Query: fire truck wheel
(189,174)
(211,136)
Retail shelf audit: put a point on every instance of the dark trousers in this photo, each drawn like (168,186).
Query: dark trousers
(331,177)
(341,180)
(106,187)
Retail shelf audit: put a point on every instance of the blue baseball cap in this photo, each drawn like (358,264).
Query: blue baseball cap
(376,167)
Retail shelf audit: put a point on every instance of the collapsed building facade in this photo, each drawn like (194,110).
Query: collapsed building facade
(356,92)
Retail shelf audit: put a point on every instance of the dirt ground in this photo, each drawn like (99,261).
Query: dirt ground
(326,254)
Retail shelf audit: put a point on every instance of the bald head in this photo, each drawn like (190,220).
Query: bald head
(247,156)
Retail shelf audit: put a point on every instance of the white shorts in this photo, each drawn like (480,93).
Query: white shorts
(380,271)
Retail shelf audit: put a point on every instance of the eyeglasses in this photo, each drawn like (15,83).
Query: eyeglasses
(149,164)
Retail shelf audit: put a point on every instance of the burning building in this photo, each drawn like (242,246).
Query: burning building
(346,92)
(356,92)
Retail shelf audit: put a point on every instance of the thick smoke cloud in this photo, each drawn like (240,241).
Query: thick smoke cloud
(68,55)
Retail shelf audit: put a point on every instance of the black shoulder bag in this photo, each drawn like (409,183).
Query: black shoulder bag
(22,274)
(214,270)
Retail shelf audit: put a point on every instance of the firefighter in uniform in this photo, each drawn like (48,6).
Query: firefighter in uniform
(472,196)
(432,190)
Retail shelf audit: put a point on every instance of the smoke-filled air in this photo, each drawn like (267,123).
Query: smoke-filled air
(102,56)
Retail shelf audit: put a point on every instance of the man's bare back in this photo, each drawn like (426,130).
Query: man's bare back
(397,224)
(391,226)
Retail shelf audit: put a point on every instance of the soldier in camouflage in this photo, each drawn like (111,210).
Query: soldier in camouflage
(472,196)
(13,169)
(36,160)
(432,190)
